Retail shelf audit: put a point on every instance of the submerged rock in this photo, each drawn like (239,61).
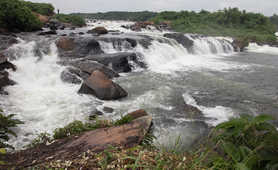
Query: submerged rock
(99,85)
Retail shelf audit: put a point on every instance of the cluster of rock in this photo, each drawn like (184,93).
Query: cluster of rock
(6,41)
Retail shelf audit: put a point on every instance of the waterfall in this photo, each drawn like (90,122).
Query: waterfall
(40,99)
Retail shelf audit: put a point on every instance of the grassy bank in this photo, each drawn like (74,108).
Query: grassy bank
(71,19)
(228,22)
(245,143)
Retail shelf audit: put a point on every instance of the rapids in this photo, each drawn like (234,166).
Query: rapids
(211,77)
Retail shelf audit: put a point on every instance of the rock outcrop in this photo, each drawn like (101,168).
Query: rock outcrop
(119,62)
(99,85)
(124,136)
(240,44)
(78,47)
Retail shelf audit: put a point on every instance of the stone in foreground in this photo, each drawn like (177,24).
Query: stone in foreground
(99,85)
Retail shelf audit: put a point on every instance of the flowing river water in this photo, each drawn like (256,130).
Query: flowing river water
(213,78)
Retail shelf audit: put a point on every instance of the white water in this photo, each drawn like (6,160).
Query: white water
(215,115)
(40,99)
(266,49)
(44,102)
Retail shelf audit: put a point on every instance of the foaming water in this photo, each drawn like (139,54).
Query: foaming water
(40,99)
(168,57)
(266,49)
(215,115)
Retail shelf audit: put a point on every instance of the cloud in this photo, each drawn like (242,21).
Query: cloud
(267,7)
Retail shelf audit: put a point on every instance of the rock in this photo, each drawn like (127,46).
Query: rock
(4,80)
(98,30)
(108,109)
(138,113)
(81,33)
(119,62)
(65,43)
(180,38)
(68,77)
(78,47)
(88,67)
(124,136)
(7,65)
(3,58)
(51,32)
(99,85)
(7,41)
(240,44)
(54,24)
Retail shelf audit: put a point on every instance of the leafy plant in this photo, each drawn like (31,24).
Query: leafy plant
(245,143)
(6,123)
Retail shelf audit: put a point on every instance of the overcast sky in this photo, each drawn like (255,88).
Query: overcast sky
(267,7)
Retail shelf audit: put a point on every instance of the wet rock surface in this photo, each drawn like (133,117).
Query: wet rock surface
(182,39)
(99,85)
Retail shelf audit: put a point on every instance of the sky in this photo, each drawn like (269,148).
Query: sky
(267,7)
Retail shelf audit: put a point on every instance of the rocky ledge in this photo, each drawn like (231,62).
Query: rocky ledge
(124,136)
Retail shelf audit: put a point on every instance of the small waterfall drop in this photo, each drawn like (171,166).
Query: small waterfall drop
(40,99)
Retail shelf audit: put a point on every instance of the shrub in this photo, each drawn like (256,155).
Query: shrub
(41,8)
(15,16)
(7,122)
(249,143)
(72,19)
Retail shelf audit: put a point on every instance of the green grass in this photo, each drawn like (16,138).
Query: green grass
(71,19)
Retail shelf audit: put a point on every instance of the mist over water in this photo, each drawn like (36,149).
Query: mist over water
(209,77)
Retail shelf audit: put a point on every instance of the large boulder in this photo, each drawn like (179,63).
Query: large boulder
(181,39)
(98,30)
(7,41)
(78,47)
(86,67)
(119,62)
(99,85)
(65,43)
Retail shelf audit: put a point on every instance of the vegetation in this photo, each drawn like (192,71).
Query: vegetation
(78,127)
(274,20)
(245,143)
(128,16)
(6,123)
(16,16)
(41,8)
(227,22)
(71,19)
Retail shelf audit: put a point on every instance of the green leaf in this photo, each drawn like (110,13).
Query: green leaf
(231,150)
(241,166)
(261,119)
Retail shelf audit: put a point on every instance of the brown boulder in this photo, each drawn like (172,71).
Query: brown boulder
(65,43)
(98,30)
(99,85)
(138,113)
